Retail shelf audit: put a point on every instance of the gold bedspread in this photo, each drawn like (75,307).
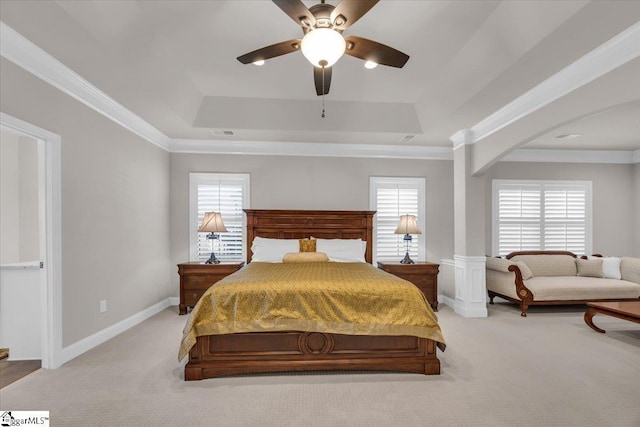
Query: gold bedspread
(341,298)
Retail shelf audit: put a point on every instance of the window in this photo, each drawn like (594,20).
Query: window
(224,193)
(390,198)
(541,215)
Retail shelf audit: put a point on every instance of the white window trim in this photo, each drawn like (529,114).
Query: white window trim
(588,207)
(194,179)
(421,182)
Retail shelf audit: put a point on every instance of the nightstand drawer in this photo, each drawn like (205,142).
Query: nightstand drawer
(196,278)
(202,282)
(420,280)
(192,296)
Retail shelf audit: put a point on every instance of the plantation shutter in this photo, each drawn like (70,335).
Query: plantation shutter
(519,212)
(541,216)
(227,196)
(392,199)
(565,226)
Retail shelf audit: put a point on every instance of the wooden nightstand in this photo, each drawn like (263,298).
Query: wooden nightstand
(196,278)
(422,274)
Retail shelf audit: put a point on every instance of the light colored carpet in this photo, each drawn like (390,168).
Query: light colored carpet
(548,369)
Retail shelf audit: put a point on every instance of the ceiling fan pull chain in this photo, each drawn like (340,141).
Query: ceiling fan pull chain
(323,92)
(323,64)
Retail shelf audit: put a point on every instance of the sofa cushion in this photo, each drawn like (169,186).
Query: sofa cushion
(581,288)
(549,265)
(610,266)
(524,270)
(589,267)
(630,269)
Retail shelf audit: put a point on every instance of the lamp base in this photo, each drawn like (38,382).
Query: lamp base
(407,259)
(212,259)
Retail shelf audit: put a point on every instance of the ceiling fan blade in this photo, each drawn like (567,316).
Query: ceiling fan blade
(317,77)
(373,51)
(347,12)
(272,51)
(297,11)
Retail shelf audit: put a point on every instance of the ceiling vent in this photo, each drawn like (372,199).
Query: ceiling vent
(223,132)
(568,136)
(408,138)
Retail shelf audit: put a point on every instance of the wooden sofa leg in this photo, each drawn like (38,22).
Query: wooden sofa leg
(491,297)
(524,307)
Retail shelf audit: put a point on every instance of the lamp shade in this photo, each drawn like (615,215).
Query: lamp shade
(323,44)
(212,223)
(408,224)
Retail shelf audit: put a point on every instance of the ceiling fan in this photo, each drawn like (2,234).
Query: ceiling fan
(323,43)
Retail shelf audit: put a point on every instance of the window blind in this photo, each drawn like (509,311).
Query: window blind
(229,197)
(541,216)
(390,199)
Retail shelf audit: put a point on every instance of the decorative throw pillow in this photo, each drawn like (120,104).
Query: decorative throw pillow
(305,257)
(307,245)
(589,267)
(610,266)
(525,270)
(498,264)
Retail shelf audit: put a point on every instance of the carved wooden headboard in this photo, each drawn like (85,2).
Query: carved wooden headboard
(299,224)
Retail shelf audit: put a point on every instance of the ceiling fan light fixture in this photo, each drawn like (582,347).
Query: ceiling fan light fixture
(323,47)
(370,65)
(259,62)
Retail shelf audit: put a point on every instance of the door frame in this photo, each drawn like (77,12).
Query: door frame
(50,218)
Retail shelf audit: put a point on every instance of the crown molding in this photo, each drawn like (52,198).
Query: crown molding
(573,156)
(462,137)
(309,149)
(610,55)
(24,53)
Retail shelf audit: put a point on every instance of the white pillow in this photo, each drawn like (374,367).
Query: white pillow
(610,266)
(272,250)
(343,250)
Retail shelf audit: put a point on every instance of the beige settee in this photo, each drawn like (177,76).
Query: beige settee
(555,277)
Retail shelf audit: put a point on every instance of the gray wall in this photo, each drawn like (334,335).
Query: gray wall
(281,182)
(636,212)
(614,199)
(115,207)
(19,223)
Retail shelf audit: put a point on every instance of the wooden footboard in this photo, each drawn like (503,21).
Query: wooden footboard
(218,355)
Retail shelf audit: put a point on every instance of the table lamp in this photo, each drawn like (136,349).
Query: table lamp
(212,224)
(407,225)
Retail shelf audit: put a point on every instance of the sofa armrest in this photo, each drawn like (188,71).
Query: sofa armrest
(521,290)
(504,279)
(630,269)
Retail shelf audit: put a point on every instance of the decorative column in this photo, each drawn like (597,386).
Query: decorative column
(469,230)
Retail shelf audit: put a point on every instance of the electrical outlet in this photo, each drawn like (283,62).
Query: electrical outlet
(103,306)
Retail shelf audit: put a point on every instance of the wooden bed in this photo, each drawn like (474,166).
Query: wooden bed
(217,355)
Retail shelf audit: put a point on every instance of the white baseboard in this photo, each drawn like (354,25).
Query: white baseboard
(443,299)
(76,349)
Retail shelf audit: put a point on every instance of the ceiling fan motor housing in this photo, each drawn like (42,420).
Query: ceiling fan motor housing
(322,13)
